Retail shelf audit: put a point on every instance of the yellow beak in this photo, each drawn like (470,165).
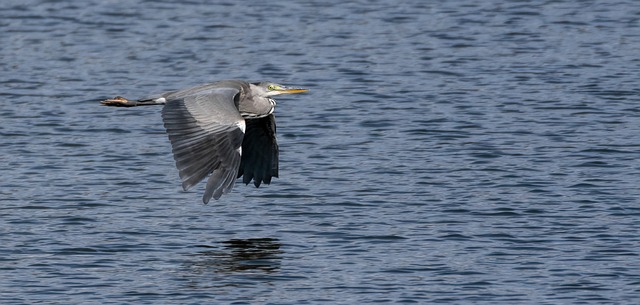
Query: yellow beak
(290,91)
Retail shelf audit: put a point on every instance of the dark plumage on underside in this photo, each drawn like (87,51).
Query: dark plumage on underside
(259,151)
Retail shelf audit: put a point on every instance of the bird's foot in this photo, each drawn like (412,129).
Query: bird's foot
(118,101)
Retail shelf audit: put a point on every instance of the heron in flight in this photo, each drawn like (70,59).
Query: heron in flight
(223,130)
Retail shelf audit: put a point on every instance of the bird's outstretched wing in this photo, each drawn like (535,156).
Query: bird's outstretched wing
(259,151)
(206,133)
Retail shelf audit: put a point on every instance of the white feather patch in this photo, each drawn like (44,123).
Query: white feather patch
(242,125)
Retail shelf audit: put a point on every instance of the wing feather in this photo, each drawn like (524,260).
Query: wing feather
(205,135)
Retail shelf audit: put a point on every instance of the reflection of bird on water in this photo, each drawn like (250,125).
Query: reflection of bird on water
(223,130)
(239,255)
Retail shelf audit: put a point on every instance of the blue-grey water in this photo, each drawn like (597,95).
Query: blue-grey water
(448,152)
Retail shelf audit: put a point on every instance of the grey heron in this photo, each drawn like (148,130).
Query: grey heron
(223,130)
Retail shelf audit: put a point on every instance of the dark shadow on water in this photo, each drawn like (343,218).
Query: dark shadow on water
(238,256)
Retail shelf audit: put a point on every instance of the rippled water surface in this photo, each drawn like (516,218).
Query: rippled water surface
(448,152)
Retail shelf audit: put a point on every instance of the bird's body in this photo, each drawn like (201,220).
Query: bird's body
(222,130)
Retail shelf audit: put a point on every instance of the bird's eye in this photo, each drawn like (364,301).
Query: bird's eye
(271,87)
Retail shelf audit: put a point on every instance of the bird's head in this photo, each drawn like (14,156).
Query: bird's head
(268,89)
